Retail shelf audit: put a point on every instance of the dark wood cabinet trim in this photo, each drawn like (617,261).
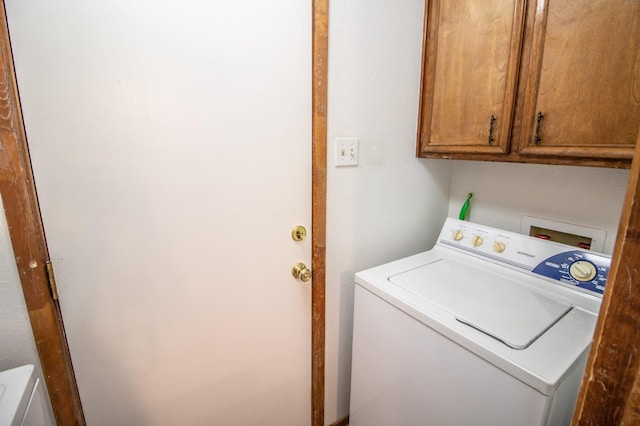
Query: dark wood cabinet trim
(613,152)
(534,66)
(430,45)
(514,157)
(508,108)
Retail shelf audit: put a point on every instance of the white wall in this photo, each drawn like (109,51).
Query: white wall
(392,204)
(17,346)
(504,192)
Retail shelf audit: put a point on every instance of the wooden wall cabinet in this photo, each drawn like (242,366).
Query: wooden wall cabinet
(545,81)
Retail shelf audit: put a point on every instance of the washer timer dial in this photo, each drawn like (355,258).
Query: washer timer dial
(587,271)
(582,270)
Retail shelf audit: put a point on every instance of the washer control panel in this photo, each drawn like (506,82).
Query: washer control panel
(578,268)
(571,266)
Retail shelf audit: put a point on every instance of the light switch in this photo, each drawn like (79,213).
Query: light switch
(346,152)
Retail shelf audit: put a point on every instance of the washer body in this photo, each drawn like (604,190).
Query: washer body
(474,332)
(22,400)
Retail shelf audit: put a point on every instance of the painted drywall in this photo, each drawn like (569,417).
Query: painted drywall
(392,204)
(17,346)
(504,192)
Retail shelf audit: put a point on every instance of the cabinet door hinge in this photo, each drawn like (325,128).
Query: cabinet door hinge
(52,280)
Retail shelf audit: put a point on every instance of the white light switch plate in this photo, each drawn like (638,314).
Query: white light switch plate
(346,152)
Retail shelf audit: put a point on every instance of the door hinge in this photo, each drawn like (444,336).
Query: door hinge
(52,280)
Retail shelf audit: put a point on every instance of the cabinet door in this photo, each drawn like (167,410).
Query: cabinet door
(470,61)
(582,95)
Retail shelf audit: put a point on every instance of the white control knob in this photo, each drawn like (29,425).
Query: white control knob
(457,235)
(582,270)
(499,246)
(477,240)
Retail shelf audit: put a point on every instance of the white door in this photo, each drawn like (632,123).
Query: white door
(171,146)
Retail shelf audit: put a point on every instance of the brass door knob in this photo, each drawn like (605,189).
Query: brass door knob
(301,272)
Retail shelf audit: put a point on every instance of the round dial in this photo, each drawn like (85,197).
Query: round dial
(477,240)
(457,235)
(582,270)
(499,246)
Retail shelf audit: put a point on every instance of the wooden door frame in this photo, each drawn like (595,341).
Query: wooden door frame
(320,54)
(29,244)
(31,252)
(610,390)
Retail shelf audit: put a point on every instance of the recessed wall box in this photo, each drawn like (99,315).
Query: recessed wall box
(565,233)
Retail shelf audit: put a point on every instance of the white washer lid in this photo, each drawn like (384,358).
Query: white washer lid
(511,313)
(15,390)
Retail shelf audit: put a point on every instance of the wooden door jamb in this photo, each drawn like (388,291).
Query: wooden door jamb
(29,244)
(610,390)
(318,205)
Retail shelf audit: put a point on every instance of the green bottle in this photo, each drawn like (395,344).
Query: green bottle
(464,211)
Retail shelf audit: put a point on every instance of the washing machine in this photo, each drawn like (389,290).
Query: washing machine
(488,328)
(22,399)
